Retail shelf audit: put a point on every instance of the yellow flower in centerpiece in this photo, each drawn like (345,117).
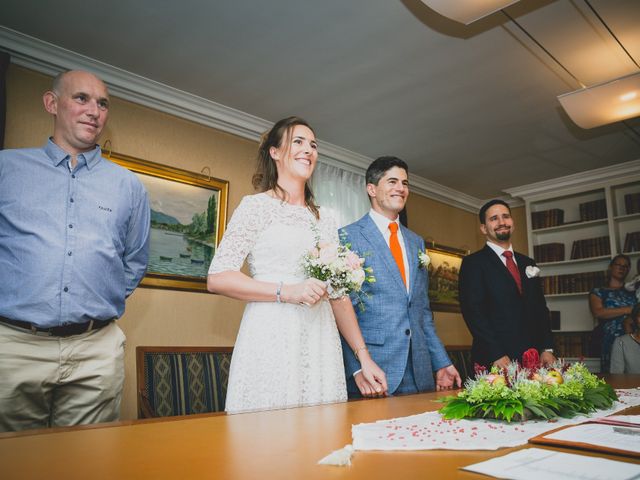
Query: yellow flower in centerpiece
(496,380)
(553,377)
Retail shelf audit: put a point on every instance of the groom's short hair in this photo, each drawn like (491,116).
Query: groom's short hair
(381,165)
(483,210)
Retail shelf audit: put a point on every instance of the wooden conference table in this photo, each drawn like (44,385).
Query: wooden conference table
(262,445)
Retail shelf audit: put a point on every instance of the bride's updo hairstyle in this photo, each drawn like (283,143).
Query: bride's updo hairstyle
(266,176)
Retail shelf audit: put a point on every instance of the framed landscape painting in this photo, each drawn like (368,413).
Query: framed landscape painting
(188,217)
(444,269)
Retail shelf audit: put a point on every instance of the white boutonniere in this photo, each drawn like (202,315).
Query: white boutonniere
(423,259)
(532,271)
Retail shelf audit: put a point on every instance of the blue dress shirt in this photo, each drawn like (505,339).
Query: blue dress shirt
(73,244)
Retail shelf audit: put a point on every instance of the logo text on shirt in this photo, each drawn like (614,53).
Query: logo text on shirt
(106,209)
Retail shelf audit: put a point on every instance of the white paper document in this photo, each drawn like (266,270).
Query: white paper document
(610,436)
(625,420)
(537,464)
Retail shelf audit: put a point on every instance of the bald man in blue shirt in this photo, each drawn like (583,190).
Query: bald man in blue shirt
(74,233)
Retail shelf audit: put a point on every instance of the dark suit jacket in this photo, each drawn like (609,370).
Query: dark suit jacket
(502,321)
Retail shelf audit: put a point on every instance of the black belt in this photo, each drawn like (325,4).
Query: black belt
(64,331)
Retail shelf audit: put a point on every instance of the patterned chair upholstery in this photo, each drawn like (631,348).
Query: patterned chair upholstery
(460,355)
(181,380)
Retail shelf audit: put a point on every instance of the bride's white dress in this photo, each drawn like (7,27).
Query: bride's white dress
(285,355)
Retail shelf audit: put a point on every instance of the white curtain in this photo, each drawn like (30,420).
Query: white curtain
(340,191)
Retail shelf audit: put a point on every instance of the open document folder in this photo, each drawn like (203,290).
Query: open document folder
(618,434)
(536,464)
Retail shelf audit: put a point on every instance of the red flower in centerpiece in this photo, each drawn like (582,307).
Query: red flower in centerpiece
(531,359)
(479,369)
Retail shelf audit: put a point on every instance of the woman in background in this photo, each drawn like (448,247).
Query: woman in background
(610,304)
(288,351)
(625,353)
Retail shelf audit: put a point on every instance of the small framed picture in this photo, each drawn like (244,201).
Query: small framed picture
(444,269)
(188,218)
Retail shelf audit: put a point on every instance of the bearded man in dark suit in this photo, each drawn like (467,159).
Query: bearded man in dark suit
(501,296)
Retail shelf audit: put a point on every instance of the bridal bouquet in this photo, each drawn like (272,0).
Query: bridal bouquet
(338,266)
(530,391)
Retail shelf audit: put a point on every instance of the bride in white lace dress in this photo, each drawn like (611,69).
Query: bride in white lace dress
(288,350)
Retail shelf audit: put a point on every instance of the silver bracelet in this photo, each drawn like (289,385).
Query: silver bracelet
(278,292)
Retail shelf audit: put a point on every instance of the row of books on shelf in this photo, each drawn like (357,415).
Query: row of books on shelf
(547,218)
(632,203)
(592,210)
(585,248)
(549,252)
(632,242)
(574,344)
(572,283)
(590,247)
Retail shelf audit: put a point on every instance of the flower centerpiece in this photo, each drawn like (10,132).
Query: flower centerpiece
(522,392)
(337,265)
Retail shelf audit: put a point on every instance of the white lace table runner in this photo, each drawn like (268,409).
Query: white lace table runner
(428,431)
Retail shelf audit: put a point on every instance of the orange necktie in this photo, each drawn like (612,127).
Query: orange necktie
(396,251)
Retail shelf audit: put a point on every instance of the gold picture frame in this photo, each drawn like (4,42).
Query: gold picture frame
(444,269)
(188,219)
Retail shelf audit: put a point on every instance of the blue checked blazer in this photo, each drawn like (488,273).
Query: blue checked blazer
(391,317)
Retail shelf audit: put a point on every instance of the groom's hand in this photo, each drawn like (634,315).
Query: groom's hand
(547,358)
(447,377)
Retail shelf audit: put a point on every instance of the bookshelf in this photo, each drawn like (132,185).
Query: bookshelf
(575,225)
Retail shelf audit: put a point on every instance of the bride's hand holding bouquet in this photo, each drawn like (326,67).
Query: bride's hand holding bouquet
(307,293)
(338,266)
(343,272)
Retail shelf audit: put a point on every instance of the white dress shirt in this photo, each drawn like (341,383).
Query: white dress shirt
(499,250)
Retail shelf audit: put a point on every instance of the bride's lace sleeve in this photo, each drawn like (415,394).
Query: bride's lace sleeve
(242,231)
(328,226)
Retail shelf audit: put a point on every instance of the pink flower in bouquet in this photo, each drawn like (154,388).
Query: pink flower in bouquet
(353,261)
(531,359)
(328,252)
(337,265)
(358,276)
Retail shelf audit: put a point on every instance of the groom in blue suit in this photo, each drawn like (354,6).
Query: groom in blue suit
(393,312)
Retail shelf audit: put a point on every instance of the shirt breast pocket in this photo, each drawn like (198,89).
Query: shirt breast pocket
(106,229)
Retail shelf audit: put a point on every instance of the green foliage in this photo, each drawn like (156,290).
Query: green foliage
(211,213)
(522,397)
(455,408)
